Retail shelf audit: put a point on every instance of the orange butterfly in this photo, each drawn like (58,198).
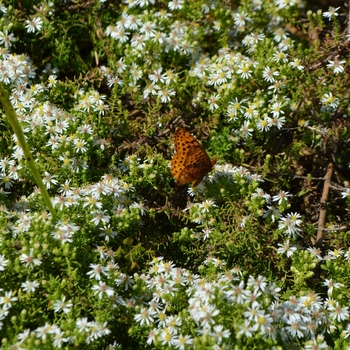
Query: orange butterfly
(190,163)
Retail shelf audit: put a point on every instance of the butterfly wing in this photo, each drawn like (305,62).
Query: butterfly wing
(191,173)
(177,165)
(190,163)
(198,164)
(183,141)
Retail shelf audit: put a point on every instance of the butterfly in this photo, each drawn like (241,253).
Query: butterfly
(190,163)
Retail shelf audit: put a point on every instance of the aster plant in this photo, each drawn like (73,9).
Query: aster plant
(100,249)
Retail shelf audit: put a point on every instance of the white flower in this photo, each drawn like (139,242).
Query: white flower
(286,248)
(3,262)
(34,24)
(329,100)
(212,101)
(30,260)
(281,197)
(144,317)
(29,286)
(296,63)
(6,300)
(6,39)
(82,325)
(330,284)
(336,65)
(269,75)
(338,313)
(246,130)
(42,332)
(165,93)
(101,288)
(331,12)
(244,71)
(62,305)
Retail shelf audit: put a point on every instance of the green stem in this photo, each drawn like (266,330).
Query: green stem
(13,120)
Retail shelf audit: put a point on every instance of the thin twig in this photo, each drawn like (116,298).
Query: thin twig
(332,185)
(323,212)
(343,228)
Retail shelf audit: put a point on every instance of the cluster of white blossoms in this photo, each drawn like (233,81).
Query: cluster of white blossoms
(201,213)
(229,309)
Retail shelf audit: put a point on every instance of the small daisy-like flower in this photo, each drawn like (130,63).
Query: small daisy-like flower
(34,25)
(157,76)
(182,342)
(6,300)
(7,39)
(336,65)
(100,216)
(165,94)
(144,317)
(346,332)
(263,124)
(258,283)
(176,4)
(245,329)
(80,145)
(269,75)
(107,232)
(338,313)
(83,325)
(148,29)
(260,193)
(286,248)
(240,19)
(3,262)
(276,109)
(29,287)
(58,338)
(30,260)
(24,335)
(331,12)
(281,197)
(220,333)
(166,337)
(143,3)
(329,100)
(152,336)
(62,305)
(316,252)
(101,288)
(6,181)
(52,80)
(212,101)
(295,328)
(280,57)
(96,271)
(49,179)
(290,224)
(244,71)
(245,130)
(336,253)
(276,121)
(331,285)
(135,72)
(207,205)
(42,332)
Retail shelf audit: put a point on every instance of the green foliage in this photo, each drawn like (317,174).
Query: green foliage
(133,261)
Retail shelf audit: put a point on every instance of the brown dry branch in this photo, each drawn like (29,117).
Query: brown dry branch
(324,198)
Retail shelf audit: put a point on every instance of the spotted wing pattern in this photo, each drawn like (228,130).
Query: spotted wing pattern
(190,163)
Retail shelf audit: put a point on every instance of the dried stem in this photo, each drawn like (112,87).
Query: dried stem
(323,212)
